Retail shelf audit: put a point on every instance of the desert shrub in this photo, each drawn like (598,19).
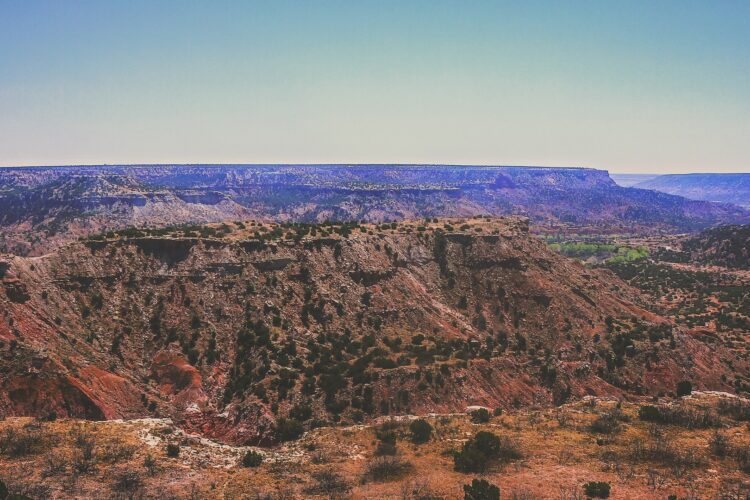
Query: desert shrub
(84,461)
(116,451)
(385,449)
(649,413)
(49,417)
(328,483)
(301,412)
(418,489)
(386,433)
(734,408)
(252,459)
(597,489)
(480,489)
(681,415)
(23,442)
(128,482)
(470,459)
(497,412)
(150,464)
(486,442)
(502,448)
(14,493)
(719,444)
(606,423)
(55,465)
(480,416)
(684,388)
(387,469)
(421,431)
(173,450)
(486,447)
(659,449)
(289,429)
(742,455)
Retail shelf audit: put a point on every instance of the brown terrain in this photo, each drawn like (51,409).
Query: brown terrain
(251,334)
(548,453)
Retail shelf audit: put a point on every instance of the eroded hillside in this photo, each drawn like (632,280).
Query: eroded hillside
(250,333)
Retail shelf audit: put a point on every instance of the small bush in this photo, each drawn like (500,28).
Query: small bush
(421,431)
(743,459)
(289,429)
(386,434)
(681,415)
(252,459)
(649,413)
(116,451)
(385,449)
(328,483)
(23,442)
(149,463)
(477,453)
(480,416)
(480,489)
(301,412)
(470,459)
(387,469)
(597,489)
(605,424)
(735,408)
(128,482)
(56,464)
(684,388)
(173,450)
(719,444)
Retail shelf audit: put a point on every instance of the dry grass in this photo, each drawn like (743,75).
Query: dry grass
(560,454)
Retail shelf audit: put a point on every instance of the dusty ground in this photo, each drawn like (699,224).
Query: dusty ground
(560,454)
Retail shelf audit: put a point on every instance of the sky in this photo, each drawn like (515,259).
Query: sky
(630,86)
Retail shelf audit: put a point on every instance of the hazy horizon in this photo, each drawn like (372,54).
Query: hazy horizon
(355,164)
(634,87)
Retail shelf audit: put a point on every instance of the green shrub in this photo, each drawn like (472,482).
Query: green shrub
(421,431)
(23,442)
(470,459)
(385,449)
(649,413)
(719,444)
(289,429)
(684,388)
(301,412)
(128,482)
(486,447)
(328,484)
(173,450)
(480,489)
(387,469)
(681,415)
(480,416)
(597,489)
(605,424)
(252,459)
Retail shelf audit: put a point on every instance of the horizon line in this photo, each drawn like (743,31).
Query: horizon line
(350,164)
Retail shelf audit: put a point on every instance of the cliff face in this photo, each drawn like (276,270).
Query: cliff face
(41,208)
(230,332)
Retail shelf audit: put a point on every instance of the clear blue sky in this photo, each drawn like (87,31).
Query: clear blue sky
(632,86)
